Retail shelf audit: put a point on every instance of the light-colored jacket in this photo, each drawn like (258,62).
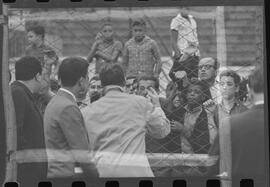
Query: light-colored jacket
(117,124)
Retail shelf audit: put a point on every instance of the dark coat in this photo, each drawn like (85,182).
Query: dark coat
(249,159)
(30,132)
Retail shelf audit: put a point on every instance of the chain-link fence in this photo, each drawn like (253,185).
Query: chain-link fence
(232,38)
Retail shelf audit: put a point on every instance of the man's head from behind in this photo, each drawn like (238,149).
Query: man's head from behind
(112,74)
(73,74)
(145,82)
(208,68)
(35,34)
(256,83)
(28,69)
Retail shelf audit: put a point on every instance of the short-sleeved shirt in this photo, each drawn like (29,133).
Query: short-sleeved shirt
(107,49)
(187,31)
(142,56)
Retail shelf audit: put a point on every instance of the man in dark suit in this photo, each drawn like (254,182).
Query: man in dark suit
(66,137)
(30,133)
(248,137)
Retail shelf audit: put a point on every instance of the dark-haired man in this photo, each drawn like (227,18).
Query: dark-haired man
(117,124)
(47,56)
(248,137)
(65,133)
(30,132)
(141,54)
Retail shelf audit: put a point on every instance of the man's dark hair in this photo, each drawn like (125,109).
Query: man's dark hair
(256,80)
(216,63)
(231,73)
(112,74)
(106,24)
(37,29)
(139,22)
(71,70)
(151,78)
(95,78)
(26,68)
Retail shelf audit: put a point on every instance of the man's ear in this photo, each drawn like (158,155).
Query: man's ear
(38,77)
(237,89)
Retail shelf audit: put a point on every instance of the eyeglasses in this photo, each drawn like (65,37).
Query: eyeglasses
(206,66)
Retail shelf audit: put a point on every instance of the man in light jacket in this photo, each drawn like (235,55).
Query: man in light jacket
(117,124)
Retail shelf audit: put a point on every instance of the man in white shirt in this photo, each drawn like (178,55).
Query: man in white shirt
(117,124)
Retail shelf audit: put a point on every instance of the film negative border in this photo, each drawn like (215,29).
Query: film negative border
(122,3)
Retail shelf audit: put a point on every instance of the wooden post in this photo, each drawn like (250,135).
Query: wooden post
(221,36)
(9,112)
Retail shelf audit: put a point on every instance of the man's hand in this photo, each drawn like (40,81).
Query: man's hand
(209,103)
(177,126)
(180,74)
(154,97)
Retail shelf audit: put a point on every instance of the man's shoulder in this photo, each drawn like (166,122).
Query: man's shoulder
(18,88)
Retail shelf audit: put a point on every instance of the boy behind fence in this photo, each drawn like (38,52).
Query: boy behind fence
(199,128)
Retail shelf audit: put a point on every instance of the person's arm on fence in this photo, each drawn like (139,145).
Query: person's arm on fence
(158,126)
(113,57)
(72,125)
(93,50)
(174,38)
(157,56)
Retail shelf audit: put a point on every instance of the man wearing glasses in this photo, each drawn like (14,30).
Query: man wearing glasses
(208,69)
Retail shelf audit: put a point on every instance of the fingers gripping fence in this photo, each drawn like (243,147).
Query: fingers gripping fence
(211,32)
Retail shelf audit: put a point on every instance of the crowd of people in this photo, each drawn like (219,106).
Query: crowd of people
(106,125)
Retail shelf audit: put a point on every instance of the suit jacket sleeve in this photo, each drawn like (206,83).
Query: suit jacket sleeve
(72,125)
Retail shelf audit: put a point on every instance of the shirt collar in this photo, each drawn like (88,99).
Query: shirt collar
(113,88)
(69,92)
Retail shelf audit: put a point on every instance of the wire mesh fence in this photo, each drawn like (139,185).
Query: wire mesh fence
(72,32)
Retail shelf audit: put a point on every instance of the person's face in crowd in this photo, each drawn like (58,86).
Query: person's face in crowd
(228,88)
(107,32)
(169,91)
(33,38)
(95,89)
(207,69)
(194,95)
(129,85)
(177,101)
(144,85)
(83,88)
(139,32)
